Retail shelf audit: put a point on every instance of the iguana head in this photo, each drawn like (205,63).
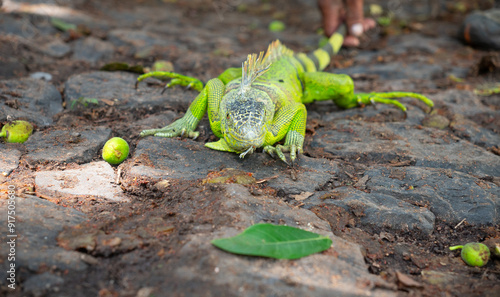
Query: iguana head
(245,112)
(244,120)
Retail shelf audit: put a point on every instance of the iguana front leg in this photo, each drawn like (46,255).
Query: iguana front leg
(290,120)
(210,96)
(176,79)
(340,89)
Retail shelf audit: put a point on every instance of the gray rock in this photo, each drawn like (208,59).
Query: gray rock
(411,43)
(92,50)
(389,71)
(39,284)
(199,267)
(93,180)
(65,146)
(9,159)
(56,48)
(136,40)
(379,210)
(156,120)
(398,142)
(41,76)
(38,222)
(461,102)
(29,26)
(31,99)
(452,196)
(415,42)
(120,86)
(470,131)
(12,69)
(157,157)
(416,9)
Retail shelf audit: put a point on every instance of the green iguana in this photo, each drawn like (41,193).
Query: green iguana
(262,103)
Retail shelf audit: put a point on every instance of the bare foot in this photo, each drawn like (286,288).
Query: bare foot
(334,13)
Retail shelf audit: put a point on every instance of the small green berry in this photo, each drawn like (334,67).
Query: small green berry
(474,253)
(115,150)
(16,131)
(495,250)
(277,26)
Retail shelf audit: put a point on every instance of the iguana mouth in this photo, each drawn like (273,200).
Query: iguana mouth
(243,144)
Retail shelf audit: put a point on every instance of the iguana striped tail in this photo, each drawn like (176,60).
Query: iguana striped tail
(320,58)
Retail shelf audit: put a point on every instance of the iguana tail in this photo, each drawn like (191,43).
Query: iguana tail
(320,58)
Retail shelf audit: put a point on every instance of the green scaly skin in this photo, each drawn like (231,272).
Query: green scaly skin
(267,105)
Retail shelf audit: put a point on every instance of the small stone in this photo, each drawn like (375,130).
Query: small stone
(145,292)
(56,48)
(65,146)
(93,50)
(9,159)
(38,100)
(436,121)
(41,283)
(162,185)
(93,180)
(42,76)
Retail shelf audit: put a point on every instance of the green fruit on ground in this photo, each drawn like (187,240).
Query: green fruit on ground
(277,26)
(16,131)
(474,253)
(115,150)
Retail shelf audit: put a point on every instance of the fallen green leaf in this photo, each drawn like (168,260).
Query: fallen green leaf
(85,101)
(62,25)
(487,90)
(115,66)
(121,66)
(453,78)
(274,241)
(384,21)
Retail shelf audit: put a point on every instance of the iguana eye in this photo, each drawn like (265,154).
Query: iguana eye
(227,116)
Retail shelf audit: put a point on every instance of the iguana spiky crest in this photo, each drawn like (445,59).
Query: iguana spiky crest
(255,65)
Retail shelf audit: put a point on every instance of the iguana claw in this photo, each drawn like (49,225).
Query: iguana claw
(176,79)
(388,98)
(279,151)
(293,144)
(183,127)
(168,132)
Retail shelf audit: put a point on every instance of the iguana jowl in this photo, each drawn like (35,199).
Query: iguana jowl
(263,102)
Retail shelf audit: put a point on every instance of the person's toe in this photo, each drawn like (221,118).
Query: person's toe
(332,12)
(351,41)
(368,24)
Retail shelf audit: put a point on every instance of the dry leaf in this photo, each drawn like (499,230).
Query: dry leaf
(302,196)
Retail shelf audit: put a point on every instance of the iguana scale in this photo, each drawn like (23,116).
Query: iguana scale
(263,102)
